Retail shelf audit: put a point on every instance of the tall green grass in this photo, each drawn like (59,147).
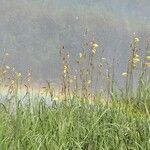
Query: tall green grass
(73,126)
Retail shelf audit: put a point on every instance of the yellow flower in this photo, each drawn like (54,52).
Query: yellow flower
(148,57)
(80,55)
(136,55)
(94,50)
(65,69)
(29,79)
(89,82)
(147,64)
(136,39)
(18,74)
(95,45)
(125,74)
(135,60)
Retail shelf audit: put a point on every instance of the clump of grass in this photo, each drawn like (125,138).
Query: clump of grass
(80,115)
(74,126)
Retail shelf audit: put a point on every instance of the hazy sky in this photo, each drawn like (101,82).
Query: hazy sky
(32,31)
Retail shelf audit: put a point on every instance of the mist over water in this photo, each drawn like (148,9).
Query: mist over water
(33,31)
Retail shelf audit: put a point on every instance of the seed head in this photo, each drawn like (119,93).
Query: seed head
(148,57)
(125,74)
(136,39)
(80,55)
(94,47)
(147,64)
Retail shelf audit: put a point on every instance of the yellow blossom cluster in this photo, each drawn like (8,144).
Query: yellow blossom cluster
(125,74)
(65,69)
(18,74)
(94,47)
(136,59)
(147,63)
(80,55)
(136,40)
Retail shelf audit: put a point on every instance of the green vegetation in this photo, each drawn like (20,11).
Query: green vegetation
(80,116)
(75,127)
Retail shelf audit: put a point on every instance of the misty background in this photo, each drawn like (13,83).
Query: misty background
(33,31)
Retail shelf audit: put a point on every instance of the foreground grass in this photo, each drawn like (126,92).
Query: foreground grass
(74,126)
